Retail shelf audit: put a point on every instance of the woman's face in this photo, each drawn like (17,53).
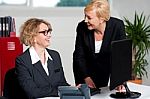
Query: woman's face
(43,38)
(93,22)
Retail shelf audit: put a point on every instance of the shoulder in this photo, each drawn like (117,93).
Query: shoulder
(82,24)
(25,54)
(115,20)
(52,52)
(24,58)
(54,55)
(82,28)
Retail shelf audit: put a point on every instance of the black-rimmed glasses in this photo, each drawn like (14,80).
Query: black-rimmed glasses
(46,32)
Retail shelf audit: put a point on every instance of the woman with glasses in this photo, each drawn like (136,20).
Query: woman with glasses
(39,69)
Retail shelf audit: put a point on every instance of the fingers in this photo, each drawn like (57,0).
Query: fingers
(78,85)
(120,88)
(90,82)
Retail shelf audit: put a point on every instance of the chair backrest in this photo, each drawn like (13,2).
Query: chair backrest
(12,90)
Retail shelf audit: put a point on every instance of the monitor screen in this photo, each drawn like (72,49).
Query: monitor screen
(121,62)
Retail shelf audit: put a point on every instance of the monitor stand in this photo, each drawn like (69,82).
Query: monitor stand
(127,94)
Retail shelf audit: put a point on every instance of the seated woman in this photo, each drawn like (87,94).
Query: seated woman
(39,69)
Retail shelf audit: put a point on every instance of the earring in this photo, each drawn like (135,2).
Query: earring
(34,41)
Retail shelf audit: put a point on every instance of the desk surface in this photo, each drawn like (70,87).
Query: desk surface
(144,90)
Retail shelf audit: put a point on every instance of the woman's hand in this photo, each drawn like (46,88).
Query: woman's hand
(90,82)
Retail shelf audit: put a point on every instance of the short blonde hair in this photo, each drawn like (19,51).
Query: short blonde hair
(102,8)
(30,29)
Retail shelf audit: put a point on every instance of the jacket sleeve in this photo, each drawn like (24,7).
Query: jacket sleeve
(58,62)
(79,62)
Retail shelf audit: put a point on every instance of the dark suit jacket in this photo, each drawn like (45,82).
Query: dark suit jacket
(85,61)
(33,78)
(12,90)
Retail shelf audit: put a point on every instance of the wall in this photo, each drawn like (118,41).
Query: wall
(64,22)
(127,8)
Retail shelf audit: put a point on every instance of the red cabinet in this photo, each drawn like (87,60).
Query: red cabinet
(10,48)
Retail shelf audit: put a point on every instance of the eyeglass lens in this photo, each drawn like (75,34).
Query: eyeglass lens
(46,32)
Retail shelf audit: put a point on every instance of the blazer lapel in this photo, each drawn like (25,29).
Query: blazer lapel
(107,37)
(91,42)
(41,70)
(50,66)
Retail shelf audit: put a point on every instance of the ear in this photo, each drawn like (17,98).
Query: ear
(34,40)
(101,20)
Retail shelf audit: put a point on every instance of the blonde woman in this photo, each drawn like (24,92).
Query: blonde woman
(91,57)
(39,69)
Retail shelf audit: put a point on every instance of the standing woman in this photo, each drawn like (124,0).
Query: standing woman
(91,57)
(39,69)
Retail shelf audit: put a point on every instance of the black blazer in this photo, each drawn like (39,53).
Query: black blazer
(33,78)
(12,90)
(85,61)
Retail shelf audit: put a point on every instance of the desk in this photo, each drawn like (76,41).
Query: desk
(105,92)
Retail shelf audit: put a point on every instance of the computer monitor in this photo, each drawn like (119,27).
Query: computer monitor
(121,67)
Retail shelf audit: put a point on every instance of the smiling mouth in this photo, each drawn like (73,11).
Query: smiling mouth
(48,40)
(88,24)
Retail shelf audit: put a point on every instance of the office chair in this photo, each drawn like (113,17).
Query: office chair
(12,90)
(1,97)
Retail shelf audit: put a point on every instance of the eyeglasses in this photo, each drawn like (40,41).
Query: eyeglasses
(46,32)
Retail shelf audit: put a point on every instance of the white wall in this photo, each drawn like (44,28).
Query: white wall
(64,22)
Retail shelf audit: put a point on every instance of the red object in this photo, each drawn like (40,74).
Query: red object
(12,34)
(10,48)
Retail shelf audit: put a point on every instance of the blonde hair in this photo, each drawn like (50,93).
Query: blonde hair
(30,29)
(102,8)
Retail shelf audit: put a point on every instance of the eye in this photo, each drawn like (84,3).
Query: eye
(89,18)
(49,30)
(46,32)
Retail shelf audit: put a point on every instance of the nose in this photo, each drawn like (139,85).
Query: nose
(49,34)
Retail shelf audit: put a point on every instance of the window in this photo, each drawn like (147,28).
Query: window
(13,2)
(46,3)
(76,3)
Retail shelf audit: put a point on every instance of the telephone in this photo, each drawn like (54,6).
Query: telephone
(83,92)
(70,92)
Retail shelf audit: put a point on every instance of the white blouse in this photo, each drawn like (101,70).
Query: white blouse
(35,58)
(98,45)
